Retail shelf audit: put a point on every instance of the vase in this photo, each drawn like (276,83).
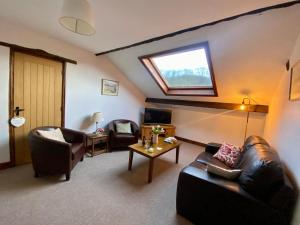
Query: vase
(155,138)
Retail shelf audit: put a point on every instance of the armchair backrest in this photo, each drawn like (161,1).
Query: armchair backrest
(133,125)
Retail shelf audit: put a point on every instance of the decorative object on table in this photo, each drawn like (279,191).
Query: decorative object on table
(110,87)
(156,131)
(170,140)
(98,118)
(95,139)
(295,82)
(77,16)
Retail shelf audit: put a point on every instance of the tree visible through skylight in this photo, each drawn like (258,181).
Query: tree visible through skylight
(184,69)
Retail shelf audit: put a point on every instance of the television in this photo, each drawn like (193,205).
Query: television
(157,116)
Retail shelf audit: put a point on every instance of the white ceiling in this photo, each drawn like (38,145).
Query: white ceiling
(248,55)
(123,22)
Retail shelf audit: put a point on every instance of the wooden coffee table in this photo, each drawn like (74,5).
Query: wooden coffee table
(159,149)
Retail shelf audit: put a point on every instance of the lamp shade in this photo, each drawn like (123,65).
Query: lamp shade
(98,117)
(77,16)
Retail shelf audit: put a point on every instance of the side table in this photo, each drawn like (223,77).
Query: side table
(96,138)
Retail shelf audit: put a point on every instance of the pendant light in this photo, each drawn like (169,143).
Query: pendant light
(77,17)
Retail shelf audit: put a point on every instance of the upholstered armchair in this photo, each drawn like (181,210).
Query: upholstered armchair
(121,141)
(55,157)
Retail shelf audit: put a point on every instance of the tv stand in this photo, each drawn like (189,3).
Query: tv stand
(147,130)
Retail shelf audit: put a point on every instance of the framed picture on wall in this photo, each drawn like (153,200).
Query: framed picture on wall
(295,82)
(110,87)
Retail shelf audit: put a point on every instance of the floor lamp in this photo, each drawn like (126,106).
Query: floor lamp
(245,107)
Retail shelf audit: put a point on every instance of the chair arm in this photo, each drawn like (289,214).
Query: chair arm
(111,129)
(73,136)
(135,129)
(212,147)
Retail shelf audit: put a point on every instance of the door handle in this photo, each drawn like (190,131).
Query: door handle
(18,110)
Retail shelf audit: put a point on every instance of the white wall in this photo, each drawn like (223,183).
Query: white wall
(283,125)
(4,99)
(214,125)
(83,83)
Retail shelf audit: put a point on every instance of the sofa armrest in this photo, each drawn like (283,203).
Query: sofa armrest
(207,199)
(73,136)
(212,147)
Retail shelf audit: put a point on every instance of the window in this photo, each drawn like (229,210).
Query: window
(183,71)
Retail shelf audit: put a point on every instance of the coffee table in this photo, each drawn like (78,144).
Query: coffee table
(158,149)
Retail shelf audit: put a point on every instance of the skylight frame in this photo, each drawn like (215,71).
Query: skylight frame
(209,91)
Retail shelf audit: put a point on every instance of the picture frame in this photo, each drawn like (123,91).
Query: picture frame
(110,87)
(294,94)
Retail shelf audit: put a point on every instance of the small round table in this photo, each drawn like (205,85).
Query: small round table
(96,138)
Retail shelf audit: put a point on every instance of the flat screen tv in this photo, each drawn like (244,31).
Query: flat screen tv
(157,116)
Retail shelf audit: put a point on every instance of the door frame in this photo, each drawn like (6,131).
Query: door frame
(32,52)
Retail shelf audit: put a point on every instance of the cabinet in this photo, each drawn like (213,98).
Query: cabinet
(147,130)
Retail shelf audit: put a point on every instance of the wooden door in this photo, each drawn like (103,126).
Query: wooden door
(38,89)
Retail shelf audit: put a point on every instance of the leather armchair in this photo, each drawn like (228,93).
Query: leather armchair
(55,157)
(121,141)
(262,195)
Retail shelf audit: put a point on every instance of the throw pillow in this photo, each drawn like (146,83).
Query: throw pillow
(123,128)
(228,154)
(228,174)
(54,134)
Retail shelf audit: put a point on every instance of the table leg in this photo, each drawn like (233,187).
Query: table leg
(177,154)
(130,159)
(93,147)
(150,172)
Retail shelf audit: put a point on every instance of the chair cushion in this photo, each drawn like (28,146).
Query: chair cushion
(123,128)
(54,134)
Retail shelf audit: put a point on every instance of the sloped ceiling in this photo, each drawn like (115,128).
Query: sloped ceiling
(248,55)
(123,22)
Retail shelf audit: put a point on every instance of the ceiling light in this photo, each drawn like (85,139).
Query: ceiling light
(77,17)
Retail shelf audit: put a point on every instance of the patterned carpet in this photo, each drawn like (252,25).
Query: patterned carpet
(101,191)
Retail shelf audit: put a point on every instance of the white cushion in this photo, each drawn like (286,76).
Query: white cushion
(228,174)
(123,128)
(54,134)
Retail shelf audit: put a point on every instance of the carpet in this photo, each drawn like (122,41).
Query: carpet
(101,191)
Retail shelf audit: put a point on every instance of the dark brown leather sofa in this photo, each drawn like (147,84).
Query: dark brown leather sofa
(55,157)
(262,195)
(121,141)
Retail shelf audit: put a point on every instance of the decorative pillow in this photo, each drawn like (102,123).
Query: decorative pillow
(123,128)
(228,154)
(228,174)
(54,134)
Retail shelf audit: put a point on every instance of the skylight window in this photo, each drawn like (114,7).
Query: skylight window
(183,71)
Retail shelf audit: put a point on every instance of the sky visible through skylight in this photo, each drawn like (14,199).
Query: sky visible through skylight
(184,68)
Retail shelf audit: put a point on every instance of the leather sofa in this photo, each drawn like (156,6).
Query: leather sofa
(121,141)
(262,195)
(55,157)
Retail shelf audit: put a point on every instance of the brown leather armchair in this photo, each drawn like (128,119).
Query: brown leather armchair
(121,141)
(55,157)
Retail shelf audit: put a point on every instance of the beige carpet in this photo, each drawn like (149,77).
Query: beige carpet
(101,191)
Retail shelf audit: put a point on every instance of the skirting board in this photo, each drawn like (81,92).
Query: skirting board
(191,141)
(5,165)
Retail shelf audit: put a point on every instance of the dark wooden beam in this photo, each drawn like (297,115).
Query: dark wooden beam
(37,52)
(253,12)
(214,105)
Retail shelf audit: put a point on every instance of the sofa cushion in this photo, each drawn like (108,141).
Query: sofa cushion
(262,170)
(229,154)
(253,140)
(123,128)
(54,134)
(207,158)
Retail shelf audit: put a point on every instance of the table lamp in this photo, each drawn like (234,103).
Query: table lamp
(97,118)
